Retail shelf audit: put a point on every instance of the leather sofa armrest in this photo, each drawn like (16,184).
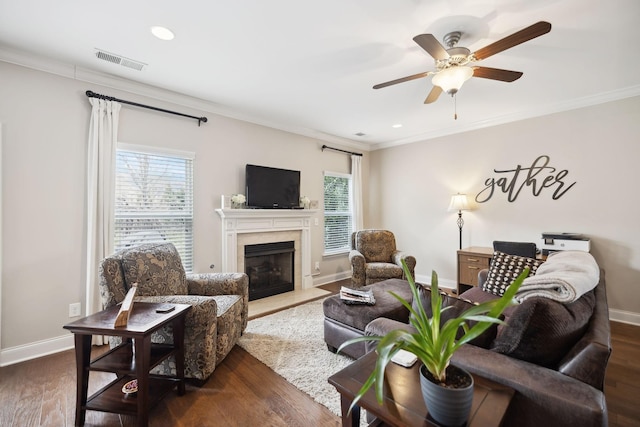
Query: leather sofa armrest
(358,277)
(587,360)
(381,326)
(482,277)
(543,396)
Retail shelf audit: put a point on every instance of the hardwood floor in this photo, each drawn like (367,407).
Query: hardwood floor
(622,382)
(244,392)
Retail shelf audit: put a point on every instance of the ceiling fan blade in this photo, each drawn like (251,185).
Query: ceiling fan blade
(531,32)
(433,47)
(496,74)
(402,80)
(433,95)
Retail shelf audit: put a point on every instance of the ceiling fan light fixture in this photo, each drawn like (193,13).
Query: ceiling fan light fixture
(451,79)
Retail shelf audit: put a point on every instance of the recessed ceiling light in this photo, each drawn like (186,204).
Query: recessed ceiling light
(396,126)
(162,33)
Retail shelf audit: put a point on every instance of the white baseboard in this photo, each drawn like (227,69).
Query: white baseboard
(21,353)
(323,280)
(624,317)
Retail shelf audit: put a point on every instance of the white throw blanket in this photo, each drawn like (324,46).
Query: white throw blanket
(564,277)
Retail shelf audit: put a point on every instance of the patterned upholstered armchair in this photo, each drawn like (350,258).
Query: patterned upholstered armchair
(219,302)
(374,257)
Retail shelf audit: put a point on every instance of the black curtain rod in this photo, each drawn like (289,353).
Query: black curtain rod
(344,151)
(91,94)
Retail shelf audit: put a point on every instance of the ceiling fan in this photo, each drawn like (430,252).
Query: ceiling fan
(452,63)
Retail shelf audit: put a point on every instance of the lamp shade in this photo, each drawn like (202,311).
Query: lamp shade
(459,202)
(451,79)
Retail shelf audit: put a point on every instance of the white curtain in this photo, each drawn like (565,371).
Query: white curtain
(356,179)
(103,135)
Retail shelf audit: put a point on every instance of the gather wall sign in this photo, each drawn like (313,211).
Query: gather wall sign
(538,177)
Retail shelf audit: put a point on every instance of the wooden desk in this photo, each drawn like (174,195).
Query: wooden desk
(132,359)
(403,404)
(473,259)
(470,261)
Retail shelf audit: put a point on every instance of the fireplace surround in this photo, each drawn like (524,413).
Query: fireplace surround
(241,227)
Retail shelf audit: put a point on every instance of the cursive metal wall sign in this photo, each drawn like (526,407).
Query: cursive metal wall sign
(538,177)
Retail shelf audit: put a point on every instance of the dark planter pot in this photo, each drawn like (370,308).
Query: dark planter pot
(447,406)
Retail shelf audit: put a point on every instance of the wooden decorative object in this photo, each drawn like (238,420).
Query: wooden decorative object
(125,309)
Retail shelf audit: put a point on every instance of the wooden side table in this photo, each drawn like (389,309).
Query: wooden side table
(131,360)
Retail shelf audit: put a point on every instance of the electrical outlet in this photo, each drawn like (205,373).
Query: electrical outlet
(75,309)
(317,265)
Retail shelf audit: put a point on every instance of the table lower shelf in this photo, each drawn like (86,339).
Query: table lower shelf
(121,359)
(111,398)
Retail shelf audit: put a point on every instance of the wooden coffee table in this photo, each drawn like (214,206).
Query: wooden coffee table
(131,360)
(403,404)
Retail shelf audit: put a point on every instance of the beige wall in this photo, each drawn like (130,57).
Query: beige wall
(45,126)
(411,186)
(45,118)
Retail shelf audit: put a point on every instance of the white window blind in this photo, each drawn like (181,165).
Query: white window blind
(338,213)
(154,199)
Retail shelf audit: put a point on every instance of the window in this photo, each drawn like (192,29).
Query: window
(338,214)
(154,199)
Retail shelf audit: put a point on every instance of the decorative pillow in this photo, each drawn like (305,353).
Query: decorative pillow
(457,305)
(504,269)
(157,268)
(542,331)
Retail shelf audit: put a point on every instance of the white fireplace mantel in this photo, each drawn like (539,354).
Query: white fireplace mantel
(246,221)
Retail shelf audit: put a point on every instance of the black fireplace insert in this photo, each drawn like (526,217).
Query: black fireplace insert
(270,268)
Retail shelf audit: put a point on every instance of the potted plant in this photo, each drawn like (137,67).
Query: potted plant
(434,345)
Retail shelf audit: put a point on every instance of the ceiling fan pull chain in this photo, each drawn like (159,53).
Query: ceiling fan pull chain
(455,107)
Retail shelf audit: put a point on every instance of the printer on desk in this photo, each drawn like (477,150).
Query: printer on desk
(552,242)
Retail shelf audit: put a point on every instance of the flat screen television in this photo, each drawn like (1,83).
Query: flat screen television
(272,188)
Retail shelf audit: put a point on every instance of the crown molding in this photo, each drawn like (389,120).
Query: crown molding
(52,66)
(529,113)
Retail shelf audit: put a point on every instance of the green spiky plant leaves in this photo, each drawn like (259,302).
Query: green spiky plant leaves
(432,343)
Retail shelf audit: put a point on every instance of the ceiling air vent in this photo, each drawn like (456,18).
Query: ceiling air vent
(118,59)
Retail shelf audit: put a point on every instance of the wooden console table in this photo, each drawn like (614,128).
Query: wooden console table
(131,360)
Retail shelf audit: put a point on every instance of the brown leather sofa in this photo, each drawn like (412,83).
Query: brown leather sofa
(561,390)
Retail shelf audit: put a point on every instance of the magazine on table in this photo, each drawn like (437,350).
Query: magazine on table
(357,296)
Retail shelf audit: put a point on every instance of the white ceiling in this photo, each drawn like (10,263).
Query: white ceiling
(310,66)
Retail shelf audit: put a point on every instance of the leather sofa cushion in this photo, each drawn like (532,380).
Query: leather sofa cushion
(504,269)
(542,331)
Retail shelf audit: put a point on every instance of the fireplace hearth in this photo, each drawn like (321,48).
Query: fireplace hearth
(270,267)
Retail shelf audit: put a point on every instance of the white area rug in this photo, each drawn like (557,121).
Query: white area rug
(291,342)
